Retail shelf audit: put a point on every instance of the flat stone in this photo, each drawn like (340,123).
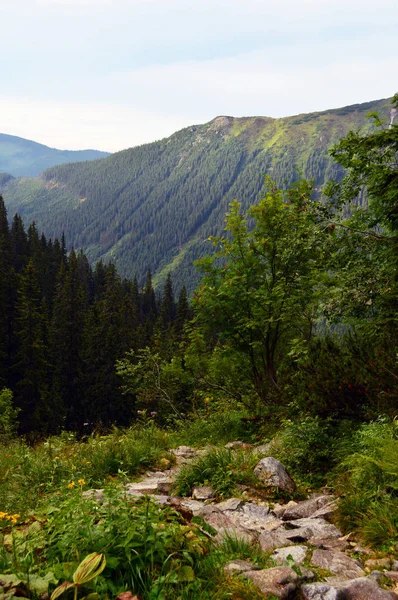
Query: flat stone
(328,511)
(164,486)
(239,566)
(184,452)
(194,505)
(273,539)
(374,563)
(279,581)
(255,510)
(297,554)
(321,591)
(337,563)
(306,508)
(330,543)
(203,492)
(280,509)
(238,445)
(319,527)
(258,525)
(230,504)
(161,499)
(148,486)
(366,589)
(224,524)
(272,473)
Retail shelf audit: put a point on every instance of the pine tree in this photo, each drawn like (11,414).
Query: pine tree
(31,367)
(7,296)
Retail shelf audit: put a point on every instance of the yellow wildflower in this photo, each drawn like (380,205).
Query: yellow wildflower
(3,515)
(71,485)
(81,482)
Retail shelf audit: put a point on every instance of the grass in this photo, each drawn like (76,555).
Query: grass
(220,468)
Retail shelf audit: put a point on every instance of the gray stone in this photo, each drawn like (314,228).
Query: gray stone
(306,508)
(238,445)
(376,575)
(280,509)
(194,505)
(337,563)
(391,575)
(279,581)
(255,510)
(203,492)
(321,591)
(274,539)
(97,495)
(337,544)
(230,504)
(366,589)
(297,554)
(319,527)
(164,486)
(239,566)
(184,452)
(258,525)
(373,563)
(395,565)
(272,473)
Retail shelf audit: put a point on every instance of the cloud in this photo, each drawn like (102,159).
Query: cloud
(115,73)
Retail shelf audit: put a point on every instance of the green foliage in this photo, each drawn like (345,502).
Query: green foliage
(369,479)
(160,385)
(307,448)
(29,475)
(263,300)
(150,550)
(8,415)
(222,469)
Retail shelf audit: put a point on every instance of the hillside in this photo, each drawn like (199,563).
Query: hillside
(155,205)
(24,158)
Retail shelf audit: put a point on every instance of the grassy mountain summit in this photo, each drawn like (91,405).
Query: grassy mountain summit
(154,206)
(24,158)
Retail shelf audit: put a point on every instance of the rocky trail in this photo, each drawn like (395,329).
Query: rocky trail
(304,543)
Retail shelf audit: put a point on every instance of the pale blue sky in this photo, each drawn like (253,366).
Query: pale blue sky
(111,74)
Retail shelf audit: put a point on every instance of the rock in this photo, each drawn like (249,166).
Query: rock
(376,575)
(239,566)
(337,563)
(279,581)
(297,554)
(274,539)
(97,495)
(306,508)
(272,473)
(366,589)
(280,509)
(255,510)
(194,505)
(321,591)
(230,504)
(395,565)
(224,524)
(203,492)
(361,549)
(327,511)
(330,543)
(372,563)
(238,446)
(164,486)
(184,453)
(319,527)
(258,525)
(391,575)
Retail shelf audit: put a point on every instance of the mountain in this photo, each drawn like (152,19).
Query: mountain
(24,158)
(154,206)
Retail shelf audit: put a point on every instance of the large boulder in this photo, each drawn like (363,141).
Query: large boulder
(272,473)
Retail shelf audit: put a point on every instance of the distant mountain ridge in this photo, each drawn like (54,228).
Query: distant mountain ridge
(154,206)
(24,158)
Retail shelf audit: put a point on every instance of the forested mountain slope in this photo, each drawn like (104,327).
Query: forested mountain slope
(154,206)
(24,158)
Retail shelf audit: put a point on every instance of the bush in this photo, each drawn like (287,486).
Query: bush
(369,482)
(221,468)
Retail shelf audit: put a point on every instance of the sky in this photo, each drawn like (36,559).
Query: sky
(112,74)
